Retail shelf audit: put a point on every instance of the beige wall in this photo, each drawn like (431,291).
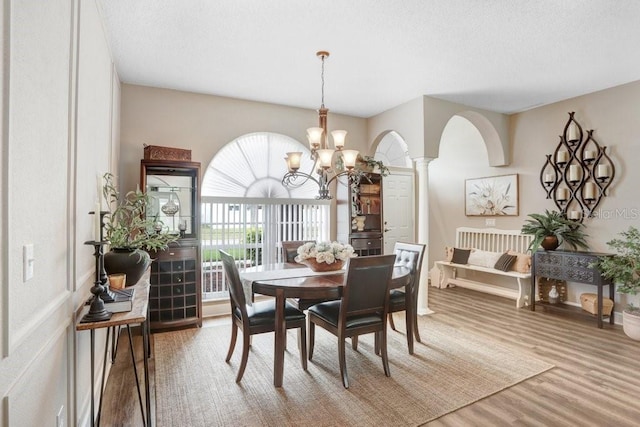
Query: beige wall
(421,122)
(205,123)
(57,103)
(612,113)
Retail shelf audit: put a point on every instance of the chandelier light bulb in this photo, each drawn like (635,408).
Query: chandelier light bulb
(293,160)
(315,137)
(349,157)
(338,138)
(325,156)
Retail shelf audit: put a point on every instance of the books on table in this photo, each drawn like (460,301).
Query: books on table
(122,300)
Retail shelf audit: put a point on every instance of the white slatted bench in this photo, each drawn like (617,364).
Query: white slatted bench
(493,240)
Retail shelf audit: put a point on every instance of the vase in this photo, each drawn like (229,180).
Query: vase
(132,262)
(631,325)
(321,266)
(554,296)
(550,243)
(360,222)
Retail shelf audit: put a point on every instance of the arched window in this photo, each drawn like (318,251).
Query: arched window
(393,151)
(252,166)
(246,210)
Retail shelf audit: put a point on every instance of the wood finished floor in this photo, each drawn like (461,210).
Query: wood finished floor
(595,381)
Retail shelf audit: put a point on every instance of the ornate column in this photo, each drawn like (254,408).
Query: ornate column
(421,165)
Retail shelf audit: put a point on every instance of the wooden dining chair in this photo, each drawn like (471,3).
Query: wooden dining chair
(289,252)
(257,318)
(290,249)
(409,255)
(362,309)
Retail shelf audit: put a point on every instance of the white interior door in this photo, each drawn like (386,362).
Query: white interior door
(398,209)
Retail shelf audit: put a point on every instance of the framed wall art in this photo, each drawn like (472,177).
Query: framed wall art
(491,196)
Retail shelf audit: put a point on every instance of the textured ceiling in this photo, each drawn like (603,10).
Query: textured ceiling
(500,55)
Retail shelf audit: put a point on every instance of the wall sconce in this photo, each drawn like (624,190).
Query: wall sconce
(578,173)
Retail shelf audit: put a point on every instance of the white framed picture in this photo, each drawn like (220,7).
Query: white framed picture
(491,196)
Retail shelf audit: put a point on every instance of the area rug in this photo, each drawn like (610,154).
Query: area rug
(451,368)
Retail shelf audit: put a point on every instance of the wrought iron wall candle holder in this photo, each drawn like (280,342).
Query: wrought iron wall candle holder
(578,173)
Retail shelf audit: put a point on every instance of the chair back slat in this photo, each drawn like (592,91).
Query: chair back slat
(290,249)
(236,291)
(366,284)
(410,255)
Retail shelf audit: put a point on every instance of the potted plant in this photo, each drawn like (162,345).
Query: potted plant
(552,229)
(131,233)
(624,269)
(365,164)
(369,164)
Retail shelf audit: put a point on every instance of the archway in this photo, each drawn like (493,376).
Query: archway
(392,150)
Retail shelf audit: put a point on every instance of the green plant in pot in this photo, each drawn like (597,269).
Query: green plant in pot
(365,164)
(130,232)
(624,269)
(552,229)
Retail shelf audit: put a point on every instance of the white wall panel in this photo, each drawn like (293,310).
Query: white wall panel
(39,69)
(58,94)
(93,127)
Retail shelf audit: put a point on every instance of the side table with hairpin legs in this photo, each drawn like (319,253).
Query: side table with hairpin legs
(138,315)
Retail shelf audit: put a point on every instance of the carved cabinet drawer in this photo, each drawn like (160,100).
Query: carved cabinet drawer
(360,244)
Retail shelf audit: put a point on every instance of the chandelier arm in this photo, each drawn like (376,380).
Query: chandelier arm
(339,174)
(289,179)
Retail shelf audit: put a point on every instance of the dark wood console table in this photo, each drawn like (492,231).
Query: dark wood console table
(572,267)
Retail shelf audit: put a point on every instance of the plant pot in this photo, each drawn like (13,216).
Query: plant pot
(321,266)
(132,262)
(631,324)
(550,243)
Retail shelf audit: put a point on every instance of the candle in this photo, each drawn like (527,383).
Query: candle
(589,191)
(562,194)
(589,155)
(97,223)
(548,177)
(573,132)
(99,189)
(574,173)
(562,156)
(574,214)
(603,171)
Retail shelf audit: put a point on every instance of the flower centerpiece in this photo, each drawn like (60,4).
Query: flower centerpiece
(324,256)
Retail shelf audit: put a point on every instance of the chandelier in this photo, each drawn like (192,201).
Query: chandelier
(321,154)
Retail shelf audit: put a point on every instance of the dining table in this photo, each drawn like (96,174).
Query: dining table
(292,280)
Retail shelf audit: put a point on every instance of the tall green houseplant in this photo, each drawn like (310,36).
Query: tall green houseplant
(624,267)
(624,270)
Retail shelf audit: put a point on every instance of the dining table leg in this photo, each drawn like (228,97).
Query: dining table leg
(280,339)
